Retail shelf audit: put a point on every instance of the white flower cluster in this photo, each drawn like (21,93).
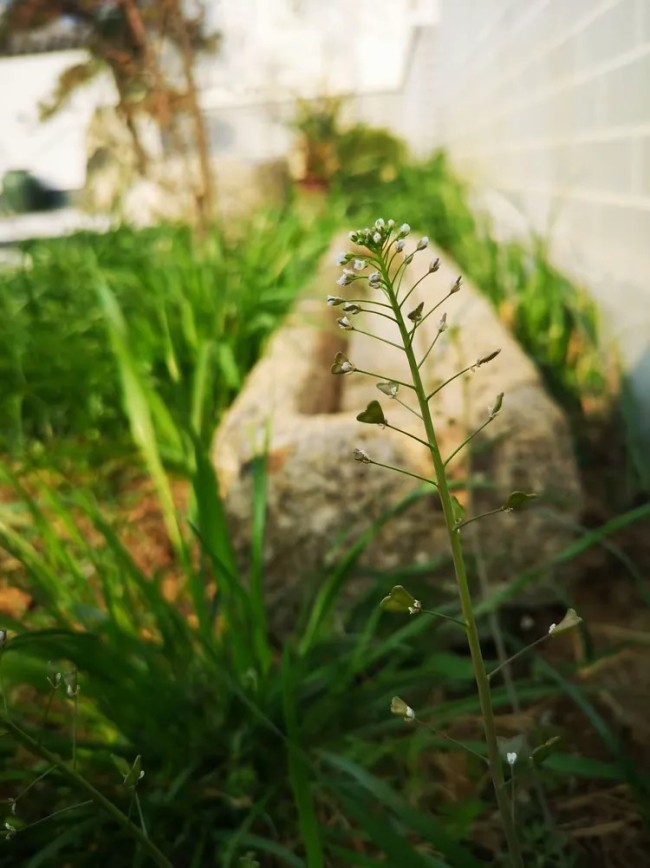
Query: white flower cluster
(378,239)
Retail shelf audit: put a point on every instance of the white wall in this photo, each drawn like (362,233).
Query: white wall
(54,150)
(546,104)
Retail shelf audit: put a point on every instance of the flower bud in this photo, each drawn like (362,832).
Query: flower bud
(352,308)
(379,223)
(343,258)
(353,236)
(362,456)
(334,300)
(442,323)
(422,243)
(404,230)
(374,279)
(346,278)
(390,223)
(434,265)
(488,358)
(359,264)
(401,709)
(492,411)
(376,238)
(399,246)
(345,324)
(342,365)
(416,314)
(456,286)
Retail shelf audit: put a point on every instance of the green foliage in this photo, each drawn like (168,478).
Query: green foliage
(368,155)
(197,313)
(251,754)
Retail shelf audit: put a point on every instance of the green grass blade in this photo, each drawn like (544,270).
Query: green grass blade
(298,770)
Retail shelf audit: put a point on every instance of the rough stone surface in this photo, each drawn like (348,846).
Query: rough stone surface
(319,495)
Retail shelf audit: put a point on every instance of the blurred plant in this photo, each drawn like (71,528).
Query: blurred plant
(137,41)
(317,121)
(381,251)
(198,311)
(368,156)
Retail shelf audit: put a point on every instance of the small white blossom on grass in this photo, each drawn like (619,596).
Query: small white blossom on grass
(511,757)
(401,709)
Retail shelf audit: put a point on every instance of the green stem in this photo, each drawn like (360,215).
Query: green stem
(450,739)
(402,470)
(383,377)
(518,654)
(467,439)
(406,434)
(375,337)
(480,673)
(82,784)
(476,517)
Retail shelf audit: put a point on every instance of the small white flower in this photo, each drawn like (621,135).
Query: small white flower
(334,300)
(346,278)
(353,236)
(374,279)
(390,223)
(351,307)
(404,230)
(344,323)
(379,223)
(416,608)
(434,265)
(359,264)
(422,243)
(551,629)
(399,246)
(362,456)
(442,323)
(376,238)
(511,757)
(342,258)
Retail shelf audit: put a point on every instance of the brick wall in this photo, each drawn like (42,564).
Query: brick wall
(545,104)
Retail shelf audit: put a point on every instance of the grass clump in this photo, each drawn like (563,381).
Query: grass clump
(198,313)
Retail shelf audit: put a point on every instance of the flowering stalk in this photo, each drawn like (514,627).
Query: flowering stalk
(384,243)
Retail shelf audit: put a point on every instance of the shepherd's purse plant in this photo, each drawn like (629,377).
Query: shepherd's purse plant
(381,261)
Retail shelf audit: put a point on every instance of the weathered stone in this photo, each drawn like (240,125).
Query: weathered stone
(319,495)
